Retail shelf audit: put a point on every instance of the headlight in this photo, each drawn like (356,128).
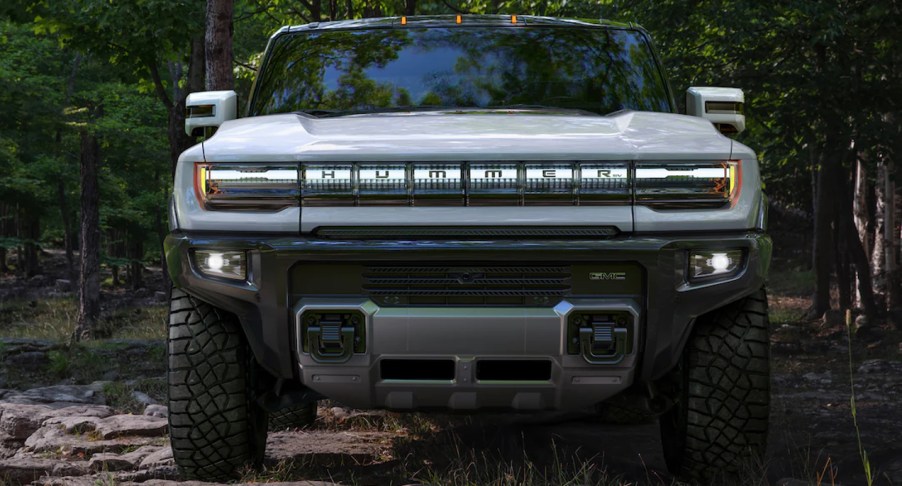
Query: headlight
(687,185)
(714,263)
(245,186)
(225,264)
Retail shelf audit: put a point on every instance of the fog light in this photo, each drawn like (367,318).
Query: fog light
(720,263)
(225,264)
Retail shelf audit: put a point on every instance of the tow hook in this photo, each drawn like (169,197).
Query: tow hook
(603,338)
(332,337)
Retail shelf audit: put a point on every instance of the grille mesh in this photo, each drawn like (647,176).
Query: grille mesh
(460,285)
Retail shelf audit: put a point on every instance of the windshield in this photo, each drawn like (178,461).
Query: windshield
(338,72)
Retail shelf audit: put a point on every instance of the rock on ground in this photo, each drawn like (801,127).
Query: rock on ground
(132,425)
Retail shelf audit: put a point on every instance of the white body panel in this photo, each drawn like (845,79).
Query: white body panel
(490,136)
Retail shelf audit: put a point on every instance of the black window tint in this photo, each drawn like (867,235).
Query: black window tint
(594,69)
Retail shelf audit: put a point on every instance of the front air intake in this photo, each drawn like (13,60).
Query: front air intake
(467,285)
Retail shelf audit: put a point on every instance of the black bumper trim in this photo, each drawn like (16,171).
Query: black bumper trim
(264,304)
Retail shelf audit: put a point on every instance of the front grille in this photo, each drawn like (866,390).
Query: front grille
(466,285)
(487,282)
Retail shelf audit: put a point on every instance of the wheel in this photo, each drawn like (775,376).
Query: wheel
(215,425)
(719,422)
(293,417)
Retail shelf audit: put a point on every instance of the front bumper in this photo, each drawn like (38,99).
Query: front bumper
(269,308)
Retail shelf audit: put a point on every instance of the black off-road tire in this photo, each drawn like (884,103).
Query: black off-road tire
(215,426)
(718,426)
(293,417)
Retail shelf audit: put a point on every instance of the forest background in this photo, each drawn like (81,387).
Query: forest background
(92,96)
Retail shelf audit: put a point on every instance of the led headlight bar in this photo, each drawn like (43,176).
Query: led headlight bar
(688,185)
(508,183)
(245,186)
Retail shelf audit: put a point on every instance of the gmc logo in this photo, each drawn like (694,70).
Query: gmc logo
(607,276)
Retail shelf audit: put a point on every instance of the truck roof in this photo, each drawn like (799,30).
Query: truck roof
(452,20)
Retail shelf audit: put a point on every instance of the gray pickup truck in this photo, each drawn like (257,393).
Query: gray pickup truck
(467,213)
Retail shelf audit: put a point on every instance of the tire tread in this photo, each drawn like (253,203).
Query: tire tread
(210,411)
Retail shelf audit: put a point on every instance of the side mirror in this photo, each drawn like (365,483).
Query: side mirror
(720,106)
(209,109)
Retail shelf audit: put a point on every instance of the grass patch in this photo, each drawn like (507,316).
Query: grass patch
(54,319)
(468,467)
(138,322)
(78,362)
(789,291)
(781,313)
(120,395)
(51,319)
(791,281)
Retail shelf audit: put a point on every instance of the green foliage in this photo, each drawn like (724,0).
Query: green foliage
(52,93)
(78,363)
(59,363)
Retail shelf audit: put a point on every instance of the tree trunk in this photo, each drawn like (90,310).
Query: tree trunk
(823,240)
(89,276)
(878,252)
(853,252)
(69,242)
(891,244)
(31,228)
(316,10)
(67,228)
(844,275)
(218,42)
(861,212)
(4,232)
(135,256)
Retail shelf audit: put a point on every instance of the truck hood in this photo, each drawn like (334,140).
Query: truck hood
(486,136)
(491,135)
